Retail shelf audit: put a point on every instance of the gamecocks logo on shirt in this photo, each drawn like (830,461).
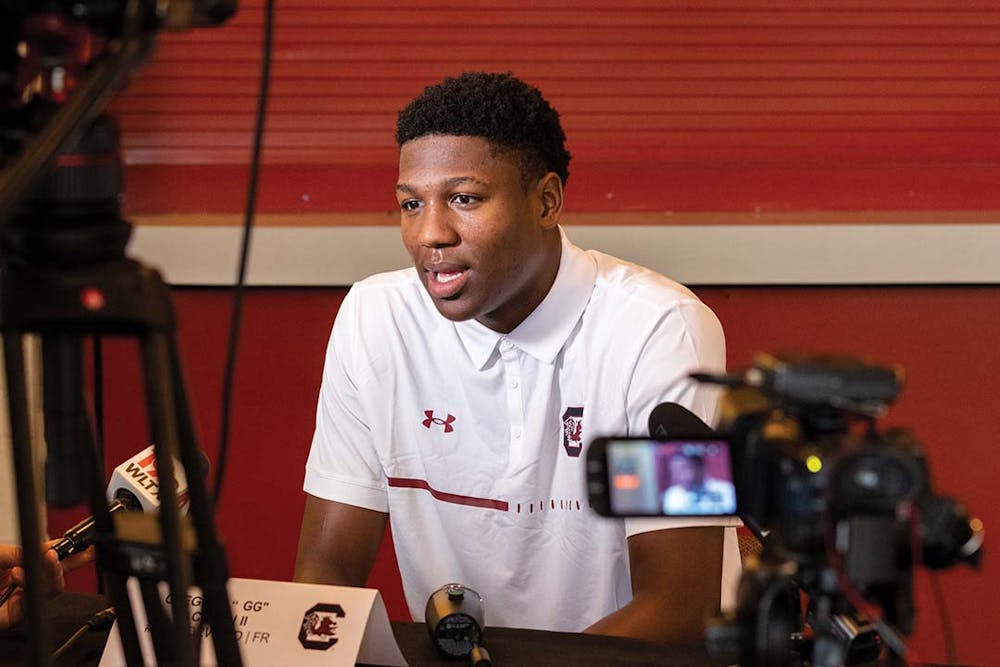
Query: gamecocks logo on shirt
(446,422)
(572,421)
(318,631)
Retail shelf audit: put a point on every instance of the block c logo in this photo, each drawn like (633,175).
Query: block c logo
(319,626)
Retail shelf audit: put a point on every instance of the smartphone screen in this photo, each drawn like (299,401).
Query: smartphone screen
(649,477)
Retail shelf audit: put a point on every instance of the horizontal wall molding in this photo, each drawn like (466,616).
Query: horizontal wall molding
(932,248)
(591,219)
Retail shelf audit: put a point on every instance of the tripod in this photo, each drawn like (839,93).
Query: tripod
(65,276)
(136,304)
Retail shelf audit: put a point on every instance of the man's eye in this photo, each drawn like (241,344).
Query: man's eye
(465,200)
(409,205)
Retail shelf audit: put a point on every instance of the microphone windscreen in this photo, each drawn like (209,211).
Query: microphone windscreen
(136,482)
(670,420)
(454,618)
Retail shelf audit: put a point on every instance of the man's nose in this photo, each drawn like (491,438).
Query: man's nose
(437,228)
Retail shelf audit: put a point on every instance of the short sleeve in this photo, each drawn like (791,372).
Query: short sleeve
(687,338)
(343,464)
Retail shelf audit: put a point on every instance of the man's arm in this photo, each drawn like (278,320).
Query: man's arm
(676,572)
(675,586)
(338,542)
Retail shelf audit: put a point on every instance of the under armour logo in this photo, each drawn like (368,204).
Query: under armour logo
(431,419)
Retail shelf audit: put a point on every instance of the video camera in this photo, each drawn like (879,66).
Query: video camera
(843,511)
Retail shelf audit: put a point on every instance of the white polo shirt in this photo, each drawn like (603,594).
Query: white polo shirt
(473,440)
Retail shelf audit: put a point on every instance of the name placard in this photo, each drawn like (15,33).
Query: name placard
(283,623)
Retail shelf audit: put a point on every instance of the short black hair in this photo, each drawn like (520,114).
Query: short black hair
(696,459)
(500,108)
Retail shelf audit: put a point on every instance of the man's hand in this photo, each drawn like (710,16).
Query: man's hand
(676,586)
(12,573)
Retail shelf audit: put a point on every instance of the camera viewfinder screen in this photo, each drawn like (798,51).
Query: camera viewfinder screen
(670,478)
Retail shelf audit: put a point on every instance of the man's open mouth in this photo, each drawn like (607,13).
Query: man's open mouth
(446,284)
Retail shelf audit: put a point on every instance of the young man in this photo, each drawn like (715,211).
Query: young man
(458,395)
(691,491)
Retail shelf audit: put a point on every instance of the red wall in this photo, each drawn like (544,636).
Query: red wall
(718,105)
(945,337)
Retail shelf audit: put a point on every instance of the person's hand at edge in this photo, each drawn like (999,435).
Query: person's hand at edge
(12,573)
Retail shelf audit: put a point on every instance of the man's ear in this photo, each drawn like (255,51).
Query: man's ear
(550,193)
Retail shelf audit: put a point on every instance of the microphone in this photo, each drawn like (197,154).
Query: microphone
(670,420)
(136,483)
(816,380)
(81,536)
(454,617)
(134,486)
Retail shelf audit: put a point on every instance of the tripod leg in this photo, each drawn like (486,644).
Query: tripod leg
(159,624)
(162,412)
(131,649)
(69,437)
(27,499)
(212,572)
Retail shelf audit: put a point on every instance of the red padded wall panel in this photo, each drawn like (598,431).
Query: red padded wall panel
(663,97)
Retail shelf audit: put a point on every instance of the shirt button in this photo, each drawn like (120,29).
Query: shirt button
(513,384)
(516,433)
(506,344)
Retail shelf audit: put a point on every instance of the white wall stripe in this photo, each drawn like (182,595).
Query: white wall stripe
(694,254)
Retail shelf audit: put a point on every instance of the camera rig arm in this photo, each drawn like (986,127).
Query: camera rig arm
(84,105)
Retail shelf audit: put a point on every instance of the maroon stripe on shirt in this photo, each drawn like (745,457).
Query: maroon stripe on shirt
(408,483)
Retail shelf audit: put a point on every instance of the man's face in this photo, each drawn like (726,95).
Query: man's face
(485,247)
(685,472)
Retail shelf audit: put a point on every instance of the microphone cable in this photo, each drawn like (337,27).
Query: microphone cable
(947,631)
(98,383)
(102,620)
(9,591)
(236,315)
(941,606)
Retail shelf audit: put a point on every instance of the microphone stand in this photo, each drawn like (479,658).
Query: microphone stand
(46,288)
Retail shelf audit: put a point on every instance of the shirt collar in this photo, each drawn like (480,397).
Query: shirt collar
(544,332)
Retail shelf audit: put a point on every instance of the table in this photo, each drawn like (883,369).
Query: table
(508,647)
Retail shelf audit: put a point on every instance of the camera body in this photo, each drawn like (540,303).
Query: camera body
(848,511)
(814,472)
(843,511)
